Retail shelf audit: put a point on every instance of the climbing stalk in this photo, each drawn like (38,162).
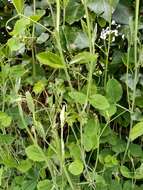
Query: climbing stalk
(135,72)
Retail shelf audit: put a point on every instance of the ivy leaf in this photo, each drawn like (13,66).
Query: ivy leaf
(136,131)
(99,102)
(35,153)
(50,59)
(114,90)
(76,167)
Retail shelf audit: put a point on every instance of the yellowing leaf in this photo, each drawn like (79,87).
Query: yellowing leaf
(136,131)
(50,59)
(19,5)
(38,15)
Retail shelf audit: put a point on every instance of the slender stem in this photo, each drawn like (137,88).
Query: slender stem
(33,34)
(136,72)
(108,48)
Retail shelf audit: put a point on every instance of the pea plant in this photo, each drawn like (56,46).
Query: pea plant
(71,95)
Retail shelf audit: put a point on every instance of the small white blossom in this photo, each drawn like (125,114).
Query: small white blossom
(113,22)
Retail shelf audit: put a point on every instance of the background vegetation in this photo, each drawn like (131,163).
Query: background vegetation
(71,94)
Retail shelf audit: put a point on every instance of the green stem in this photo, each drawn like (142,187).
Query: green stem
(108,49)
(136,72)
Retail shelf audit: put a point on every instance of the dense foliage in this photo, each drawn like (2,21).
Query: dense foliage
(71,94)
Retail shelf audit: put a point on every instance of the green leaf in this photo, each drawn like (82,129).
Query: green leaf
(115,185)
(90,142)
(90,135)
(135,150)
(42,38)
(110,161)
(123,13)
(44,185)
(84,57)
(6,139)
(74,12)
(1,175)
(35,153)
(50,59)
(5,120)
(19,5)
(126,172)
(139,101)
(76,167)
(81,41)
(104,8)
(74,151)
(99,102)
(139,172)
(20,27)
(39,13)
(114,90)
(127,185)
(136,131)
(39,87)
(109,112)
(30,102)
(24,165)
(78,97)
(14,44)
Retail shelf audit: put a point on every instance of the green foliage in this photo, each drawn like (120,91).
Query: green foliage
(76,167)
(99,102)
(50,59)
(113,90)
(136,131)
(35,153)
(71,95)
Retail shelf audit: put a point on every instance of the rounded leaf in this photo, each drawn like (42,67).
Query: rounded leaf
(76,167)
(99,102)
(114,90)
(35,153)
